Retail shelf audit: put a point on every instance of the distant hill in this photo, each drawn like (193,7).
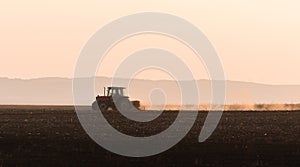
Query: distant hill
(59,91)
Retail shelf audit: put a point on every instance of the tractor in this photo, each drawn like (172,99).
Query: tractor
(114,99)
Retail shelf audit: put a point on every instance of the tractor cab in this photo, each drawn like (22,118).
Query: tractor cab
(114,91)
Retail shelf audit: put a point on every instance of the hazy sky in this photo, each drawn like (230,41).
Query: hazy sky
(256,40)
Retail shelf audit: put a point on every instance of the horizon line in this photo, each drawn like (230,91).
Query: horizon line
(70,78)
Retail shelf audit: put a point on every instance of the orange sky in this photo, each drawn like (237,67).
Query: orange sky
(256,40)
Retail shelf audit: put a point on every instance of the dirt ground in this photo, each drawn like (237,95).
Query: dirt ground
(53,136)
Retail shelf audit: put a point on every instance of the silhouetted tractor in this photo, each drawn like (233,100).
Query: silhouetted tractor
(114,99)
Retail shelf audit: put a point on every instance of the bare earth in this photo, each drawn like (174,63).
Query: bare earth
(49,135)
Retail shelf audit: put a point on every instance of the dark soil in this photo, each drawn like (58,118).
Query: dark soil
(53,136)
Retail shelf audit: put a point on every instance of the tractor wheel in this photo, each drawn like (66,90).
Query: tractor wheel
(95,105)
(123,104)
(103,106)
